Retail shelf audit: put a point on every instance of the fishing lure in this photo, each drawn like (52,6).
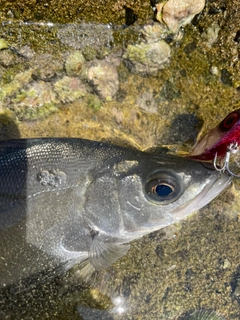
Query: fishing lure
(220,143)
(224,165)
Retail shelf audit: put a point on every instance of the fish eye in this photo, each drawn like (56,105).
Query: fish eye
(163,187)
(230,120)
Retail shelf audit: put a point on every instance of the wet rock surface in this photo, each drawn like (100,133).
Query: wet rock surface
(86,35)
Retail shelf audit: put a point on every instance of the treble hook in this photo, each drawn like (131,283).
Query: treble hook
(231,149)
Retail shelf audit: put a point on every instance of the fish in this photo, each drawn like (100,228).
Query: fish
(64,201)
(218,139)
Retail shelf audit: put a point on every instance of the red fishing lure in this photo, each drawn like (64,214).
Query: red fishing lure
(216,143)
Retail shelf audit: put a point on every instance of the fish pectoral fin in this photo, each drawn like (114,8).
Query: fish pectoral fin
(87,271)
(103,254)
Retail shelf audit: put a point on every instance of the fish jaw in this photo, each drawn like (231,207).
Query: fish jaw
(208,193)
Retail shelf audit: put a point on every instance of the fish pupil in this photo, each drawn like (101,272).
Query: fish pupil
(163,190)
(163,187)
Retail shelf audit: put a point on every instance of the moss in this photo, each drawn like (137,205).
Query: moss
(89,53)
(10,73)
(102,52)
(128,35)
(66,11)
(41,39)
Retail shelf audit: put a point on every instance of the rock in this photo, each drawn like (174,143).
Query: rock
(27,52)
(83,35)
(210,35)
(8,58)
(46,66)
(147,102)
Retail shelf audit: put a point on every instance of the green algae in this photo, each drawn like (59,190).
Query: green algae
(3,44)
(31,114)
(8,89)
(94,103)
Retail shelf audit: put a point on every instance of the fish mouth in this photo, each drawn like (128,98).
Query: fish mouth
(208,193)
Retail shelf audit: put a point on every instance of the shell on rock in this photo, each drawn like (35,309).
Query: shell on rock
(102,74)
(210,35)
(178,13)
(20,81)
(74,63)
(37,101)
(147,58)
(36,95)
(153,33)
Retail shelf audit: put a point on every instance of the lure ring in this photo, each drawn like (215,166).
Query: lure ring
(231,149)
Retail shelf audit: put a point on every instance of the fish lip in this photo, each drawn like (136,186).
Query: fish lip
(207,194)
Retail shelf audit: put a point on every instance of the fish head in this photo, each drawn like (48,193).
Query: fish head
(161,190)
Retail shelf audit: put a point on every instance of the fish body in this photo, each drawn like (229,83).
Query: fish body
(218,139)
(63,201)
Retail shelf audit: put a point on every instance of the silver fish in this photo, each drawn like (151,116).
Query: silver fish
(63,201)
